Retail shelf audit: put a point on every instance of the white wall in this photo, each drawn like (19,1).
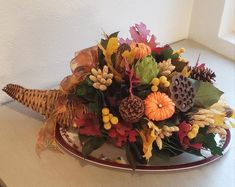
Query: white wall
(205,26)
(39,37)
(228,18)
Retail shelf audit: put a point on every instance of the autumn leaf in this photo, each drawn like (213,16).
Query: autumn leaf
(121,133)
(207,94)
(140,34)
(92,144)
(112,46)
(88,125)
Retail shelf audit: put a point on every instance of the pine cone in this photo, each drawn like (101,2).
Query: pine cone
(182,92)
(202,73)
(131,109)
(165,67)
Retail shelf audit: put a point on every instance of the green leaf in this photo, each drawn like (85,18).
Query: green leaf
(208,141)
(130,157)
(160,154)
(85,90)
(211,144)
(167,53)
(83,138)
(142,91)
(91,144)
(175,56)
(91,95)
(206,94)
(173,121)
(172,145)
(136,149)
(95,107)
(200,138)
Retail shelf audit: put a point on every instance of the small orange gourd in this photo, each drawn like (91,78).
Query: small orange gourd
(140,50)
(158,106)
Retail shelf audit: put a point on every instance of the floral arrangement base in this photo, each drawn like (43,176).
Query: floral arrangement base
(113,157)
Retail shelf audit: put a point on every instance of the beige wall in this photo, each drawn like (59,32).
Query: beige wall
(38,38)
(205,26)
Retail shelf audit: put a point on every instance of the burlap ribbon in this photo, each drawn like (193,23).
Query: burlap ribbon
(80,66)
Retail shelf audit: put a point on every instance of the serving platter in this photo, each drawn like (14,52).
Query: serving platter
(109,156)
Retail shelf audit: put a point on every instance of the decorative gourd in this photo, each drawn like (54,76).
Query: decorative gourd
(158,106)
(140,50)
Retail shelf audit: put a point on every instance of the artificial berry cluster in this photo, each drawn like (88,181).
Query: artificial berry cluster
(108,118)
(162,81)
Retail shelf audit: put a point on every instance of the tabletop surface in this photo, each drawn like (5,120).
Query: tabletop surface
(21,167)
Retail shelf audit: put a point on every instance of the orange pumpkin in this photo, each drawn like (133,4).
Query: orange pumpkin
(140,50)
(158,106)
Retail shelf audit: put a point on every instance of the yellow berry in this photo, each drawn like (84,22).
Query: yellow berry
(163,79)
(194,130)
(155,81)
(105,111)
(154,88)
(191,135)
(107,126)
(114,120)
(105,119)
(196,126)
(167,84)
(110,116)
(182,50)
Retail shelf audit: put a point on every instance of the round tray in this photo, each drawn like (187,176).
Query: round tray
(69,142)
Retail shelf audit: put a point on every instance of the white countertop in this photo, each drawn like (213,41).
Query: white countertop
(21,167)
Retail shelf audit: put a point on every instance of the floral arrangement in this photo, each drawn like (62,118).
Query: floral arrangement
(141,97)
(148,99)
